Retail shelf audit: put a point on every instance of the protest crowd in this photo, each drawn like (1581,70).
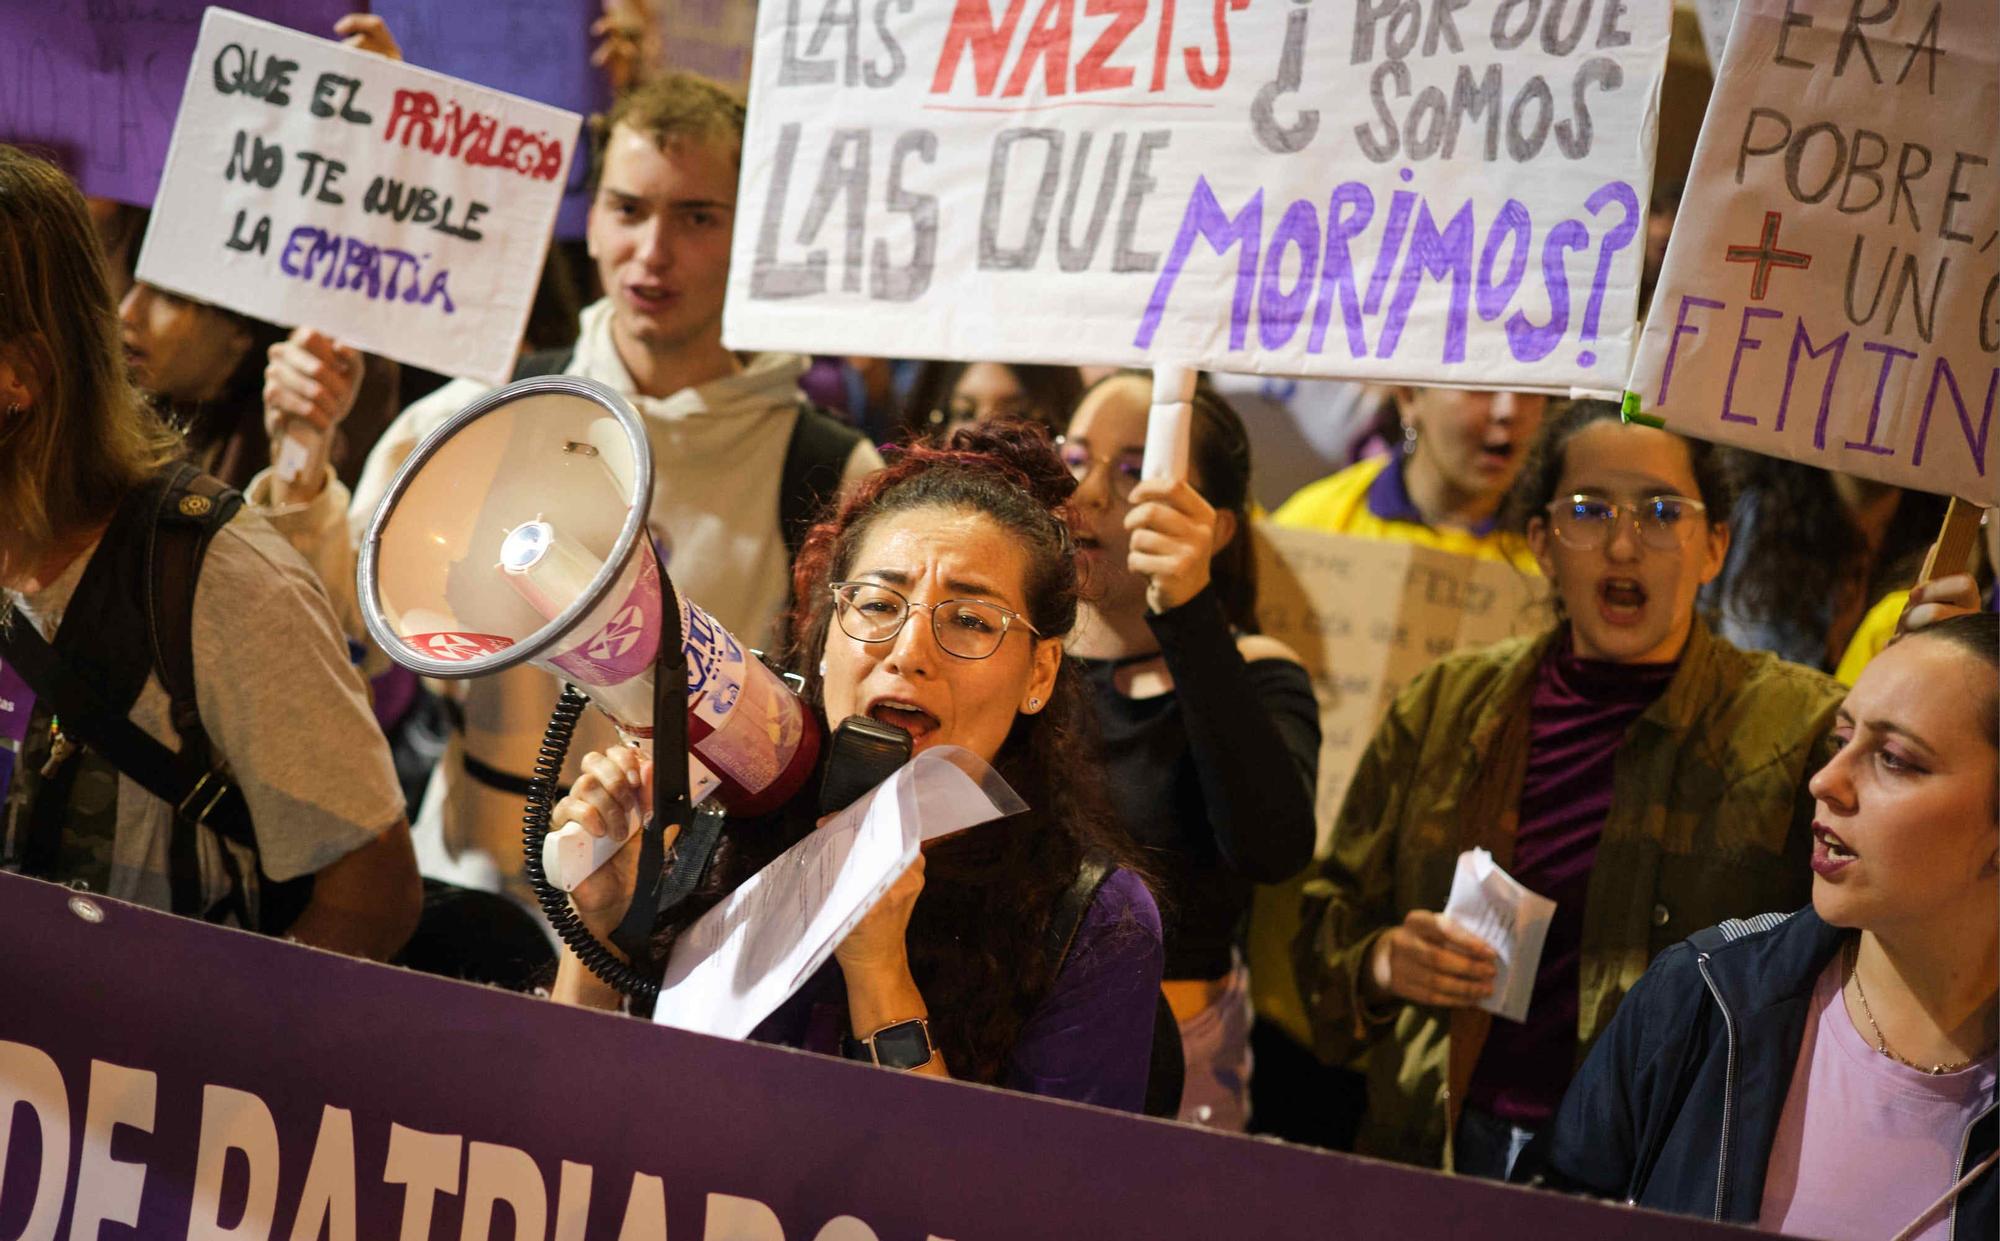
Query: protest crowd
(1742,749)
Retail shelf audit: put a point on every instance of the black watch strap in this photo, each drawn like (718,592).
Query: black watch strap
(904,1045)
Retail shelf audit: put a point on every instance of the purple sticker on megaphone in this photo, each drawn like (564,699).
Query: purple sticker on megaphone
(623,646)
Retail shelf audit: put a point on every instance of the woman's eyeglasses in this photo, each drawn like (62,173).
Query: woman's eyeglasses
(1125,467)
(967,628)
(1584,522)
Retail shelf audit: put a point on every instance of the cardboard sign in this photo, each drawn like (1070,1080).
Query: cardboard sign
(169,1079)
(1831,294)
(1433,193)
(1366,615)
(537,49)
(96,86)
(402,211)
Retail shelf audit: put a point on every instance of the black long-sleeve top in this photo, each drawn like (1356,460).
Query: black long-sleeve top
(1215,779)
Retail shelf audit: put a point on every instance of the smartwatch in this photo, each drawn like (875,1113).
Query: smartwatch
(904,1045)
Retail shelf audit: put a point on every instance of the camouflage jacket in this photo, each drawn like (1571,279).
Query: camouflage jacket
(1710,819)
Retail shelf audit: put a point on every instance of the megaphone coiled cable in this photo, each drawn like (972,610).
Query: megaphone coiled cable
(535,823)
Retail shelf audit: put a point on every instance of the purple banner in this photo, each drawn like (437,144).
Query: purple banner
(183,1079)
(538,49)
(17,703)
(96,85)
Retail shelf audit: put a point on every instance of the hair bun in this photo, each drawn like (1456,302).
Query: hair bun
(1019,447)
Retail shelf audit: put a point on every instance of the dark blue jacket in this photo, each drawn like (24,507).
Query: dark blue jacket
(1678,1104)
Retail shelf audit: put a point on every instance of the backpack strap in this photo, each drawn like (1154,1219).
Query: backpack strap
(193,507)
(1066,919)
(543,362)
(815,456)
(143,571)
(189,512)
(1166,1075)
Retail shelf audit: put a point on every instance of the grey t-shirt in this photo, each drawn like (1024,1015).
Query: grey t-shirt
(284,708)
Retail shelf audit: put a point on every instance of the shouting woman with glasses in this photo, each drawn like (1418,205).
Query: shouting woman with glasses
(1211,734)
(1628,764)
(937,600)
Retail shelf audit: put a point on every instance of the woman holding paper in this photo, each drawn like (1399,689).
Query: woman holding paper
(937,601)
(1627,764)
(1831,1073)
(1211,733)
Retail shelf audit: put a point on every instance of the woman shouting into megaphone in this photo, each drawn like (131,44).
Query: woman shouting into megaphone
(936,600)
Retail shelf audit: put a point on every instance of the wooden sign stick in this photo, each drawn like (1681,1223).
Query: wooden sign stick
(1953,549)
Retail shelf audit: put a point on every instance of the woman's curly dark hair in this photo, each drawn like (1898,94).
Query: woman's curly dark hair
(1800,551)
(977,937)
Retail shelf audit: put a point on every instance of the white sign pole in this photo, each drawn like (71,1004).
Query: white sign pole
(1169,422)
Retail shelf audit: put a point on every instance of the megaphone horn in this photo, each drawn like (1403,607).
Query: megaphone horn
(517,533)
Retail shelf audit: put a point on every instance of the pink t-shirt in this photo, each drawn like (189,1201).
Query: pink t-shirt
(1864,1143)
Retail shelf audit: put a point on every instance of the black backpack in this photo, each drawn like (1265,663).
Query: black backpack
(133,617)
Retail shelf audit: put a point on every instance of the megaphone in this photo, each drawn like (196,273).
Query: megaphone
(516,533)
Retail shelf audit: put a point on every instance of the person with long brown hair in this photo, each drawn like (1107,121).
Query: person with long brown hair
(86,468)
(937,600)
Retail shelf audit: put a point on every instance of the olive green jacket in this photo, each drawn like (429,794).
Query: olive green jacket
(1710,819)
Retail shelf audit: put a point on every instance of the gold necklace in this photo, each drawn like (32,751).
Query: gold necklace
(1882,1044)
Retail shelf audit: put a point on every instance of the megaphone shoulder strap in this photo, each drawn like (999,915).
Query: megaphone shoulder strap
(671,800)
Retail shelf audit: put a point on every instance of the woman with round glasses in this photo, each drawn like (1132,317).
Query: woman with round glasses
(937,600)
(1627,764)
(1211,733)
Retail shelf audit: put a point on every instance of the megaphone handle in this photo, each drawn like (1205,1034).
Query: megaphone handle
(572,855)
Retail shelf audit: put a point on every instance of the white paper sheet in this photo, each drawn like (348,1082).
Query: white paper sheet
(1493,905)
(745,957)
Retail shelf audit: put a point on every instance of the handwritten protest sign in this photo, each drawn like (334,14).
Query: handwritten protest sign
(537,49)
(97,85)
(405,212)
(1832,290)
(1365,616)
(1420,190)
